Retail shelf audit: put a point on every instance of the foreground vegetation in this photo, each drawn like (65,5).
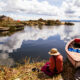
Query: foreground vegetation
(24,72)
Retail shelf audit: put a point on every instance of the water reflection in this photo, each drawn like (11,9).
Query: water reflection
(6,60)
(11,44)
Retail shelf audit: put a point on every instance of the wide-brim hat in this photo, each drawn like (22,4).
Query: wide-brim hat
(54,52)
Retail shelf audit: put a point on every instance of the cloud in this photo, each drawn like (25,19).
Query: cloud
(71,8)
(6,60)
(77,3)
(68,9)
(29,7)
(15,41)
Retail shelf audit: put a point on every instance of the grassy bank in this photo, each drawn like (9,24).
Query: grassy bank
(8,28)
(24,72)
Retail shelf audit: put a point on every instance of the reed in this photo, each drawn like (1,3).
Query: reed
(24,72)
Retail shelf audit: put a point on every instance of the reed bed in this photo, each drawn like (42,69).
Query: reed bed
(24,72)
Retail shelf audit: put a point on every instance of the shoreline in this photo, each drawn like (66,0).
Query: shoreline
(8,26)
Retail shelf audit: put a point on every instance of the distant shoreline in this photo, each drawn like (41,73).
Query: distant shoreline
(70,20)
(8,25)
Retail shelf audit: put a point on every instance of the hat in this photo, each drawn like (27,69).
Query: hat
(54,52)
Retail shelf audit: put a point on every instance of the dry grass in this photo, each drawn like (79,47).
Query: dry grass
(24,72)
(69,71)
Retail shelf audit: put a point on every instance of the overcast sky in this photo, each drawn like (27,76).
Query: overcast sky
(47,9)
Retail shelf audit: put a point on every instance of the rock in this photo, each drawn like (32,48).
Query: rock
(77,74)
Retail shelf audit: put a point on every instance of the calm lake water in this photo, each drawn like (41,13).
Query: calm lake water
(36,42)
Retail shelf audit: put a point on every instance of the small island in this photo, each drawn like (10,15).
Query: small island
(9,25)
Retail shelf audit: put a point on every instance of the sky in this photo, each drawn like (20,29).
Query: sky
(46,9)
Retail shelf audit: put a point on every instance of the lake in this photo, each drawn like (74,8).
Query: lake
(35,42)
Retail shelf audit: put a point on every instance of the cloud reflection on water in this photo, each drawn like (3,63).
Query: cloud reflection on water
(14,42)
(5,60)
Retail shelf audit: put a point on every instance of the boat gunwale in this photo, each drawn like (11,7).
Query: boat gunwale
(68,52)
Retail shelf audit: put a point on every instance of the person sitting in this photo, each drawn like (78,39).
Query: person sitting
(55,64)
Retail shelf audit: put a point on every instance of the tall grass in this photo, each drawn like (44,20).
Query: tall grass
(24,72)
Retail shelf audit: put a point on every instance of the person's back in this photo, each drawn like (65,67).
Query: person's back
(56,63)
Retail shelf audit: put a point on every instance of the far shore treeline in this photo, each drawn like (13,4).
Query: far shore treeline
(9,25)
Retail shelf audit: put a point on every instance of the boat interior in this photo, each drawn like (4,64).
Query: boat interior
(74,46)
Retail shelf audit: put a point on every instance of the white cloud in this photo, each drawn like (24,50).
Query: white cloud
(15,41)
(69,9)
(6,60)
(30,7)
(77,3)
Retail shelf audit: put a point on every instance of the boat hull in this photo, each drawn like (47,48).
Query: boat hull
(76,64)
(73,57)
